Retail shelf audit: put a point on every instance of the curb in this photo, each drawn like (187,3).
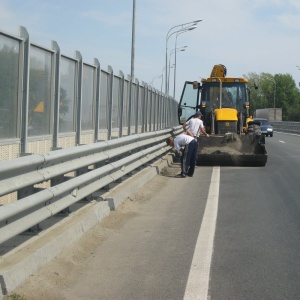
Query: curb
(17,265)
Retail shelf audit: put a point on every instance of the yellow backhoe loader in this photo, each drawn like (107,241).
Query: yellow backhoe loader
(224,103)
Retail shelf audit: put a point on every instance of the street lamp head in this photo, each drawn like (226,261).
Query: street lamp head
(184,28)
(191,28)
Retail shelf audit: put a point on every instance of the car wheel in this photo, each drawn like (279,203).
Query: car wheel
(271,134)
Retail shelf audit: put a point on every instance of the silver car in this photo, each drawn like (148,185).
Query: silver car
(265,126)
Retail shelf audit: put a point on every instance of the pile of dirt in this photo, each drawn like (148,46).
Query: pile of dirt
(231,144)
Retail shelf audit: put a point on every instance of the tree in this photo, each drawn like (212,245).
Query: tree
(287,95)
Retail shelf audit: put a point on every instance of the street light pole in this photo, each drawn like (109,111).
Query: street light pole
(178,33)
(187,25)
(175,50)
(154,79)
(192,27)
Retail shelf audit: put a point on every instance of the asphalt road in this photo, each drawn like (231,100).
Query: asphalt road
(257,241)
(226,233)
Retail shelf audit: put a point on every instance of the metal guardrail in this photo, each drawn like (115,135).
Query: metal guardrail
(288,127)
(96,166)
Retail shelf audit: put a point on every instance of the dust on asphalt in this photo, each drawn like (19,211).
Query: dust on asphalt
(53,280)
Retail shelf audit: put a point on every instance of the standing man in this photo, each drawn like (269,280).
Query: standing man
(196,125)
(187,145)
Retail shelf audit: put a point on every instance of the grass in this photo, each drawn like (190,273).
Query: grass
(14,296)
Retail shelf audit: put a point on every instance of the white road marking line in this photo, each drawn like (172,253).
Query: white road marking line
(198,281)
(282,142)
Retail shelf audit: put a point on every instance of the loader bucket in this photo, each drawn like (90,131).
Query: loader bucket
(232,150)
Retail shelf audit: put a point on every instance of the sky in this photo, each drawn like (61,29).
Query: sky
(246,36)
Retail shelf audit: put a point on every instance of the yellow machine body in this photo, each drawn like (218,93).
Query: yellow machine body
(224,103)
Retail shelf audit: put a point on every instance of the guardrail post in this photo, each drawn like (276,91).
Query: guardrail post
(56,48)
(98,77)
(79,97)
(110,101)
(144,107)
(155,111)
(57,180)
(129,105)
(160,110)
(121,103)
(150,107)
(137,108)
(33,230)
(27,191)
(82,171)
(25,50)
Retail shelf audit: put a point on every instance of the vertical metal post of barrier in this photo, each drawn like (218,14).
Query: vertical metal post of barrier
(155,111)
(121,103)
(110,101)
(171,113)
(164,110)
(146,109)
(137,97)
(97,114)
(175,109)
(79,97)
(167,111)
(56,72)
(151,108)
(161,105)
(129,105)
(143,103)
(25,50)
(159,110)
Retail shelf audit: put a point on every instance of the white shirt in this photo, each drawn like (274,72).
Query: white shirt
(182,140)
(195,124)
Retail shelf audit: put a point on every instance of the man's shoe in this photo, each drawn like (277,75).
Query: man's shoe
(183,175)
(189,175)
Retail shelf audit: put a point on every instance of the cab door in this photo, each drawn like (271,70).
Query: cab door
(189,101)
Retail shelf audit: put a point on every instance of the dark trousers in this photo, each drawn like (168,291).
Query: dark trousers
(188,158)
